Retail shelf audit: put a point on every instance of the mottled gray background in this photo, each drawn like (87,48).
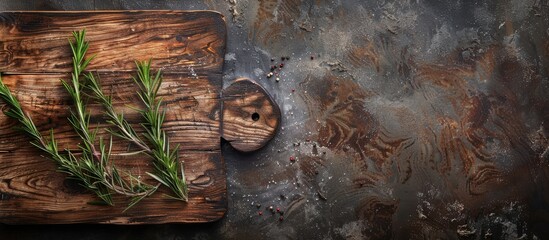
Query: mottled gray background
(410,119)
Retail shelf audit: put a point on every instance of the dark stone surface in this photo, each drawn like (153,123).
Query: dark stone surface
(405,120)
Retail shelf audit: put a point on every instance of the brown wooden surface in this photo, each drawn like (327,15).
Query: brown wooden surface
(34,55)
(178,41)
(250,117)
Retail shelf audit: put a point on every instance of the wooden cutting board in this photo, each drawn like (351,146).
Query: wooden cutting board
(188,46)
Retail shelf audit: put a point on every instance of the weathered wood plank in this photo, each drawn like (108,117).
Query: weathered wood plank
(36,42)
(192,104)
(33,193)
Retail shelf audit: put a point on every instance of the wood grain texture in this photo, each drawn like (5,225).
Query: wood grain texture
(193,107)
(34,55)
(178,41)
(33,193)
(250,116)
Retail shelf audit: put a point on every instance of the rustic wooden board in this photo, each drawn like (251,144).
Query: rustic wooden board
(34,55)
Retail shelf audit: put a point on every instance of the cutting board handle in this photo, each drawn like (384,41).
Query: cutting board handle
(250,117)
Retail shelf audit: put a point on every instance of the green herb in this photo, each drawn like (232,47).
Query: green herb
(80,118)
(67,163)
(167,170)
(92,168)
(83,171)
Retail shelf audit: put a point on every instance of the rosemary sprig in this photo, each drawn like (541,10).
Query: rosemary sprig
(92,168)
(165,160)
(168,170)
(66,163)
(96,159)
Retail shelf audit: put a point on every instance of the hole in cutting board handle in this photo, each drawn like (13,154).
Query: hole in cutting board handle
(255,116)
(250,116)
